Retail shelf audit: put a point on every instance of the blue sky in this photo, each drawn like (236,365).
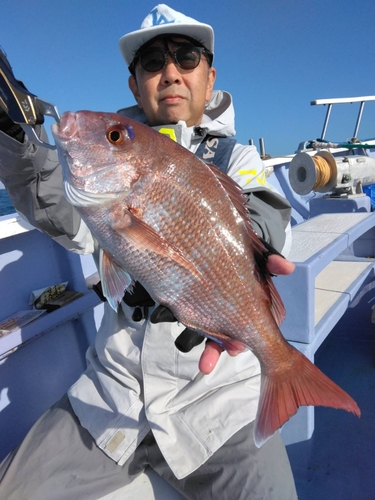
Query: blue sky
(274,57)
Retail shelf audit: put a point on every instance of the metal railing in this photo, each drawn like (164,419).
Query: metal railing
(346,100)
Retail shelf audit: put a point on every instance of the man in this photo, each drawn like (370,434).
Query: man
(141,402)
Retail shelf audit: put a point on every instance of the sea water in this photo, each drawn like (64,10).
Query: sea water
(6,206)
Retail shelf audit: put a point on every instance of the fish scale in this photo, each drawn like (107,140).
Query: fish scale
(179,226)
(180,233)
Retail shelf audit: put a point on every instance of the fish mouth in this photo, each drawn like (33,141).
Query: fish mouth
(67,128)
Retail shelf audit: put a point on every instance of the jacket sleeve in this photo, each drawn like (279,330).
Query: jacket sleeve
(32,176)
(270,212)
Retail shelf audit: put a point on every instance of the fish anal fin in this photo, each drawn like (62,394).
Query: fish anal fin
(305,385)
(143,237)
(224,341)
(115,280)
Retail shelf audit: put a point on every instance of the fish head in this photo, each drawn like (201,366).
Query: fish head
(98,154)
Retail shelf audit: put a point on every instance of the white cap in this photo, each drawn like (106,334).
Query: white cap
(162,19)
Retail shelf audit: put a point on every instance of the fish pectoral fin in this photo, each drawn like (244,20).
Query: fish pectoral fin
(303,385)
(115,280)
(144,237)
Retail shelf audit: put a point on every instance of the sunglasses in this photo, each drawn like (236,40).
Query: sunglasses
(155,58)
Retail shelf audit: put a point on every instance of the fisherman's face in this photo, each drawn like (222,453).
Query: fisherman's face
(172,93)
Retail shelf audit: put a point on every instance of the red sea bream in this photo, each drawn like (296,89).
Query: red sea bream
(179,226)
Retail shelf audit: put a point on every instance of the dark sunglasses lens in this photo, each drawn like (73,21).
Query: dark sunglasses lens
(152,60)
(188,57)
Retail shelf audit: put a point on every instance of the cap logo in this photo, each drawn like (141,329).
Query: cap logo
(158,18)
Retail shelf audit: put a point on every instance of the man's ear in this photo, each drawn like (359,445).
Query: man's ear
(133,86)
(210,82)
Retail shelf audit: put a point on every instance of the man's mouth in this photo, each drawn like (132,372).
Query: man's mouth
(172,98)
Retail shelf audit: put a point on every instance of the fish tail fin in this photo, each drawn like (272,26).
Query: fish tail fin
(303,385)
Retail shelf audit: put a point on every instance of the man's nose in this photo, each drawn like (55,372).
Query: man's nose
(171,71)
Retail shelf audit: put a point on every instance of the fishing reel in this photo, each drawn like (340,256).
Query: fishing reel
(23,107)
(325,173)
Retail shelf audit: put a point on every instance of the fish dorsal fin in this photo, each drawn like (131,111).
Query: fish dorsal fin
(239,201)
(143,237)
(115,280)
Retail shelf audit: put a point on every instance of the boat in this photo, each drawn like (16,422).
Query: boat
(330,303)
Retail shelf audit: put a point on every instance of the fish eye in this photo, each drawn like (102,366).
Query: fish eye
(115,135)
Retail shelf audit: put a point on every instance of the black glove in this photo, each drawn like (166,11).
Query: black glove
(140,299)
(187,339)
(6,124)
(261,259)
(270,249)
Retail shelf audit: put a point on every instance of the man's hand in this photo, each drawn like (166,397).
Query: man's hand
(210,356)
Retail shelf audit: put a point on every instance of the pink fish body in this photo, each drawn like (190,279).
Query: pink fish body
(180,227)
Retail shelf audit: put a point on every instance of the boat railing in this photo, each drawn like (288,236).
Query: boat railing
(346,100)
